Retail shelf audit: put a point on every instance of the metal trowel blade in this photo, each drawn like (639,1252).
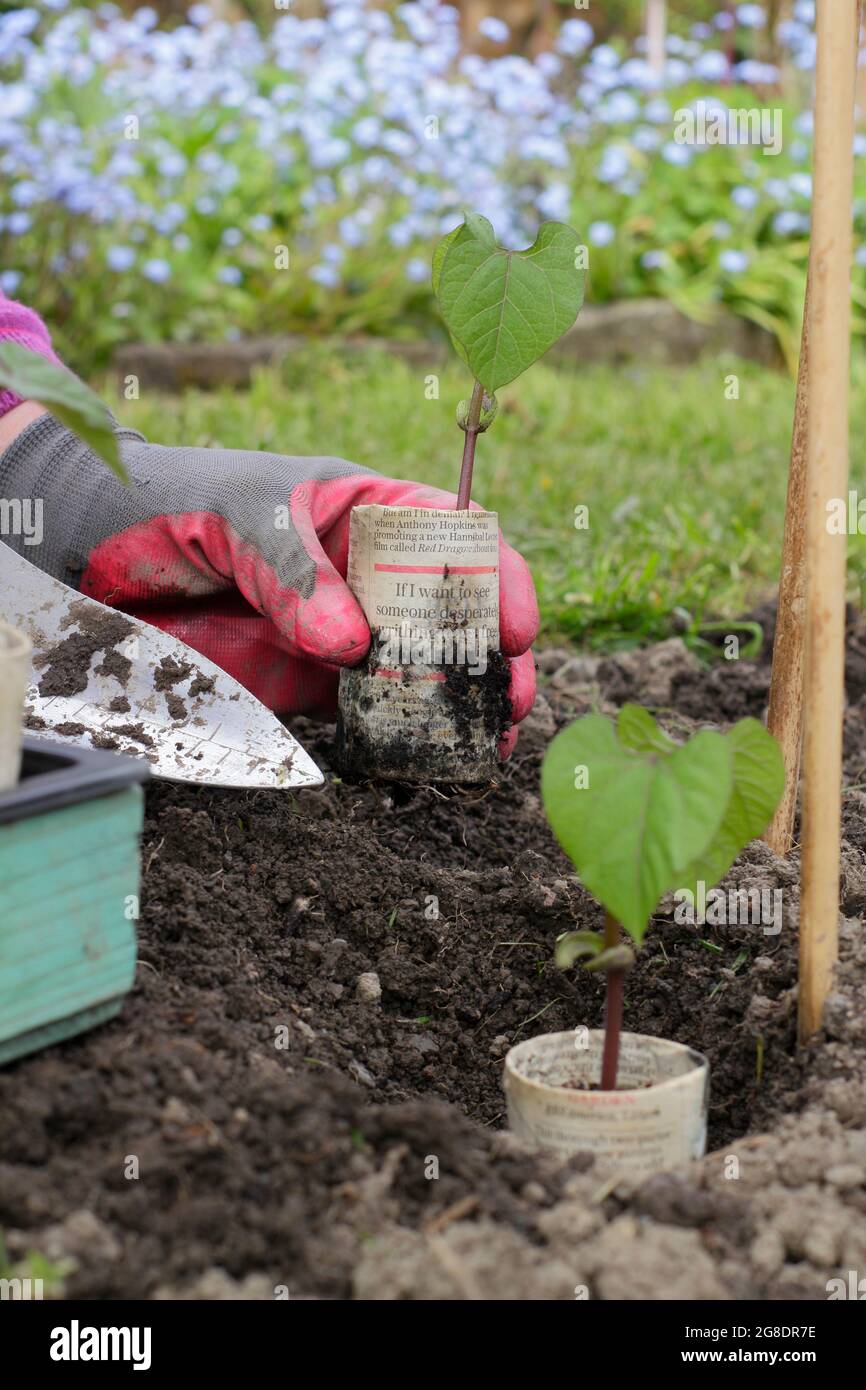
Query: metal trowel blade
(221,734)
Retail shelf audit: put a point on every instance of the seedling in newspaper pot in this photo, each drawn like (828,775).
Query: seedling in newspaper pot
(639,815)
(430,701)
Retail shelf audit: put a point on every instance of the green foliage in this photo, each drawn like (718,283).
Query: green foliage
(639,815)
(173,237)
(36,1266)
(686,490)
(759,780)
(504,309)
(34,378)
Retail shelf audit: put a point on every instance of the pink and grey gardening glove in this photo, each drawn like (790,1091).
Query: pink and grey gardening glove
(240,554)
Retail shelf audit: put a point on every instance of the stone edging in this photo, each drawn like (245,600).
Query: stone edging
(650,331)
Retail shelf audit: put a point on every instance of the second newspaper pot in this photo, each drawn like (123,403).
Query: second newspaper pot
(655,1119)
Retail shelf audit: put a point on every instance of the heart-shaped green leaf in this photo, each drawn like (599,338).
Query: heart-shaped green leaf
(80,409)
(632,821)
(759,780)
(637,729)
(439,256)
(504,309)
(475,226)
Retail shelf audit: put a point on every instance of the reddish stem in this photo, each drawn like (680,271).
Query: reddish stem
(464,490)
(612,1029)
(612,1011)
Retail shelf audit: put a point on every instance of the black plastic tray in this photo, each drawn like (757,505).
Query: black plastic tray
(61,774)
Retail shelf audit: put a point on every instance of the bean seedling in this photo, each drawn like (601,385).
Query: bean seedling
(639,815)
(503,310)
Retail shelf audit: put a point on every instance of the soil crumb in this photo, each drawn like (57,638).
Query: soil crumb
(201,685)
(67,664)
(136,732)
(170,672)
(101,740)
(176,707)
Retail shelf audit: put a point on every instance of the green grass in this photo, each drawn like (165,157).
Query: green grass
(685,488)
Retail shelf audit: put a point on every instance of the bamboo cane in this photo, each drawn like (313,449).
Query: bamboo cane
(785,715)
(826,478)
(656,35)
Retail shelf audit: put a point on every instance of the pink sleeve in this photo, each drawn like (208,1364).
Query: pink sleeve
(18,324)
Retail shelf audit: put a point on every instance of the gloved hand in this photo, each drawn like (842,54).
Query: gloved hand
(242,555)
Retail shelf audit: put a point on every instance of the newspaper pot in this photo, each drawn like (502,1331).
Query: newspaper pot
(14,678)
(429,702)
(656,1119)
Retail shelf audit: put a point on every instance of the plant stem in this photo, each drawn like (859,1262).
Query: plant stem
(473,421)
(612,1010)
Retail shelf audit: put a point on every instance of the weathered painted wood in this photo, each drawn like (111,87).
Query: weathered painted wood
(56,1032)
(67,932)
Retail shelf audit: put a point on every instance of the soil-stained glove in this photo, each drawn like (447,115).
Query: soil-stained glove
(242,555)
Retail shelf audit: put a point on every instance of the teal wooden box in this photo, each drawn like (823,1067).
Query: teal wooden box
(69,886)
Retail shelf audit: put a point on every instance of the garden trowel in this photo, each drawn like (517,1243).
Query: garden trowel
(104,679)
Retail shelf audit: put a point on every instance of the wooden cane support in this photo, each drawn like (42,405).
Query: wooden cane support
(826,479)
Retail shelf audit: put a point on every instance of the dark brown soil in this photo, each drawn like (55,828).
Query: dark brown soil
(136,732)
(169,672)
(176,707)
(475,705)
(100,740)
(66,666)
(306,1077)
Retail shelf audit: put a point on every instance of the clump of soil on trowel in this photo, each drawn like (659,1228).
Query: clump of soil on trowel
(169,673)
(309,1068)
(136,732)
(176,707)
(201,685)
(67,664)
(101,740)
